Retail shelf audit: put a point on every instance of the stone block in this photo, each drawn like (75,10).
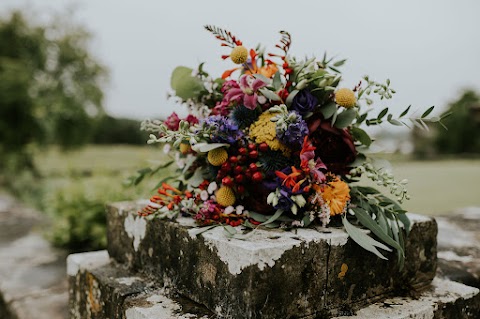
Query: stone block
(272,274)
(102,289)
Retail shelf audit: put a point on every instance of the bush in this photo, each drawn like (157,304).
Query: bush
(111,130)
(463,134)
(77,210)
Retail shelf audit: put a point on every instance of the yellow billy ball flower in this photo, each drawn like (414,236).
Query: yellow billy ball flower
(225,196)
(217,156)
(239,54)
(185,148)
(345,97)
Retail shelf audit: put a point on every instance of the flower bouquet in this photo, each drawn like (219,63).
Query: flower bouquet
(276,142)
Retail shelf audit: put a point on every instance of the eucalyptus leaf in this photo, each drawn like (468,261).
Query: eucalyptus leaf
(328,110)
(200,230)
(272,96)
(361,136)
(206,147)
(197,178)
(291,96)
(345,118)
(362,239)
(185,85)
(277,81)
(273,218)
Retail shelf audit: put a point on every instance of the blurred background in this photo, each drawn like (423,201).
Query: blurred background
(77,77)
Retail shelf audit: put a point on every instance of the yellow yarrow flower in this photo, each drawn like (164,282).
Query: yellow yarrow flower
(336,194)
(239,54)
(346,98)
(217,156)
(225,196)
(264,131)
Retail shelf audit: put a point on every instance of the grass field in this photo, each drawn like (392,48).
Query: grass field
(436,187)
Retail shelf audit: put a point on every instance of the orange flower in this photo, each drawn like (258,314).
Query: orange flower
(336,194)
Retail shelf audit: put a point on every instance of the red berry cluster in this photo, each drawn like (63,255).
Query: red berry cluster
(241,168)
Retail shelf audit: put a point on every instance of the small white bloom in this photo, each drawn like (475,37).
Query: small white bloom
(229,210)
(204,195)
(212,187)
(239,209)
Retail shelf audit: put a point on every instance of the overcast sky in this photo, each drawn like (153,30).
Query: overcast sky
(429,49)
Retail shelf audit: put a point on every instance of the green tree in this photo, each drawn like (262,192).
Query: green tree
(50,87)
(463,134)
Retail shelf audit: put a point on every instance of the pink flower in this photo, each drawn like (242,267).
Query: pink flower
(246,92)
(308,161)
(191,119)
(172,122)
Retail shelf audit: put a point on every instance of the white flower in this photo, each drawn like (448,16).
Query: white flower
(239,209)
(229,210)
(204,195)
(261,99)
(212,187)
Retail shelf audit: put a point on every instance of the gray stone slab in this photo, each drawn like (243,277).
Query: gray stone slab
(112,292)
(272,274)
(101,289)
(32,274)
(459,246)
(445,299)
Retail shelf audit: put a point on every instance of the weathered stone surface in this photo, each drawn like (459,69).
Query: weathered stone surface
(32,274)
(459,246)
(272,274)
(101,289)
(443,300)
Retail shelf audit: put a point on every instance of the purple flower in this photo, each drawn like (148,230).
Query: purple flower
(223,129)
(304,102)
(246,92)
(294,134)
(284,201)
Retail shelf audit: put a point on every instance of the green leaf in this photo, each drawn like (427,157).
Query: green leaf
(361,136)
(185,85)
(277,81)
(207,147)
(339,63)
(345,118)
(366,220)
(272,96)
(291,96)
(395,122)
(405,112)
(427,112)
(382,113)
(362,239)
(200,230)
(328,110)
(230,231)
(163,180)
(361,118)
(273,218)
(405,221)
(258,217)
